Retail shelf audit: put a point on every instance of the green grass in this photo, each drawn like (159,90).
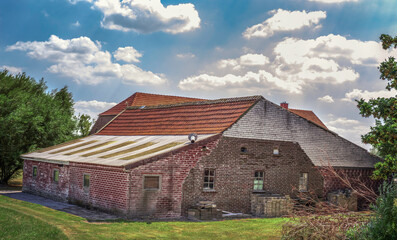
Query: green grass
(24,220)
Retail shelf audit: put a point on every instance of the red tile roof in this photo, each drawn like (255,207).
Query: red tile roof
(146,99)
(308,115)
(203,117)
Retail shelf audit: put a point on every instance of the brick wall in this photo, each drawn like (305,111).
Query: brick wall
(108,188)
(234,176)
(355,176)
(43,184)
(173,171)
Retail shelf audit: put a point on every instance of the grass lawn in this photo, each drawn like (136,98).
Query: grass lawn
(22,220)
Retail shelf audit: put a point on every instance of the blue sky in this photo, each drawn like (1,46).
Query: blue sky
(315,54)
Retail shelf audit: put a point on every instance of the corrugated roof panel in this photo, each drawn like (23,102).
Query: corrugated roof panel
(129,150)
(154,150)
(114,148)
(74,146)
(89,148)
(59,145)
(108,149)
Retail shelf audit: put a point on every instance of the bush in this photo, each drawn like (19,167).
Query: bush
(384,225)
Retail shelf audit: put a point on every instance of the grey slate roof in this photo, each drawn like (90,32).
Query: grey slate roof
(269,121)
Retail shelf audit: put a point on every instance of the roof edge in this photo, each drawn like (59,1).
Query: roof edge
(172,152)
(195,103)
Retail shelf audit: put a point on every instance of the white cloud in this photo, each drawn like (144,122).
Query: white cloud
(76,1)
(11,69)
(343,121)
(92,108)
(326,98)
(185,55)
(76,24)
(127,54)
(146,16)
(248,81)
(350,129)
(244,61)
(83,60)
(326,59)
(294,65)
(284,20)
(333,47)
(357,94)
(333,1)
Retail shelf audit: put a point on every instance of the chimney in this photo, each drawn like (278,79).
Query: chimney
(284,105)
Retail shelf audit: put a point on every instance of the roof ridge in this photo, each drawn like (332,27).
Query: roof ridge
(144,93)
(300,109)
(205,102)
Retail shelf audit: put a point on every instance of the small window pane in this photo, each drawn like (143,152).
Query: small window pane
(209,179)
(258,180)
(86,180)
(151,182)
(34,171)
(56,175)
(303,180)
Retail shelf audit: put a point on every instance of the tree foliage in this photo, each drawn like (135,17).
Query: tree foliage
(84,123)
(383,136)
(31,118)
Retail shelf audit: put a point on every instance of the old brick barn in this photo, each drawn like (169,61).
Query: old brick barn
(139,161)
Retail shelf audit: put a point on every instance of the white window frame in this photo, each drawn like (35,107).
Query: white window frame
(206,184)
(260,178)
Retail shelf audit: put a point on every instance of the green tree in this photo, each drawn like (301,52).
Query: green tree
(84,123)
(383,136)
(31,118)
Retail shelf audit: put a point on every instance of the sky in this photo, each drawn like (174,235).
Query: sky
(316,55)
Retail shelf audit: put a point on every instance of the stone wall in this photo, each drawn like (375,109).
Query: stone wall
(234,173)
(270,205)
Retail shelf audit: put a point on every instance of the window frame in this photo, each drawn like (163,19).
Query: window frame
(151,189)
(303,182)
(209,182)
(276,151)
(260,178)
(53,175)
(84,182)
(37,171)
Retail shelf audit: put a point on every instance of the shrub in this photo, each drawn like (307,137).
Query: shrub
(384,225)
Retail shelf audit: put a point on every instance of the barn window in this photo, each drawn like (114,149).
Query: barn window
(258,180)
(243,150)
(34,171)
(209,179)
(56,175)
(151,182)
(276,151)
(303,182)
(86,180)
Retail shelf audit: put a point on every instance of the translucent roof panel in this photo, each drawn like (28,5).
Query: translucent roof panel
(111,150)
